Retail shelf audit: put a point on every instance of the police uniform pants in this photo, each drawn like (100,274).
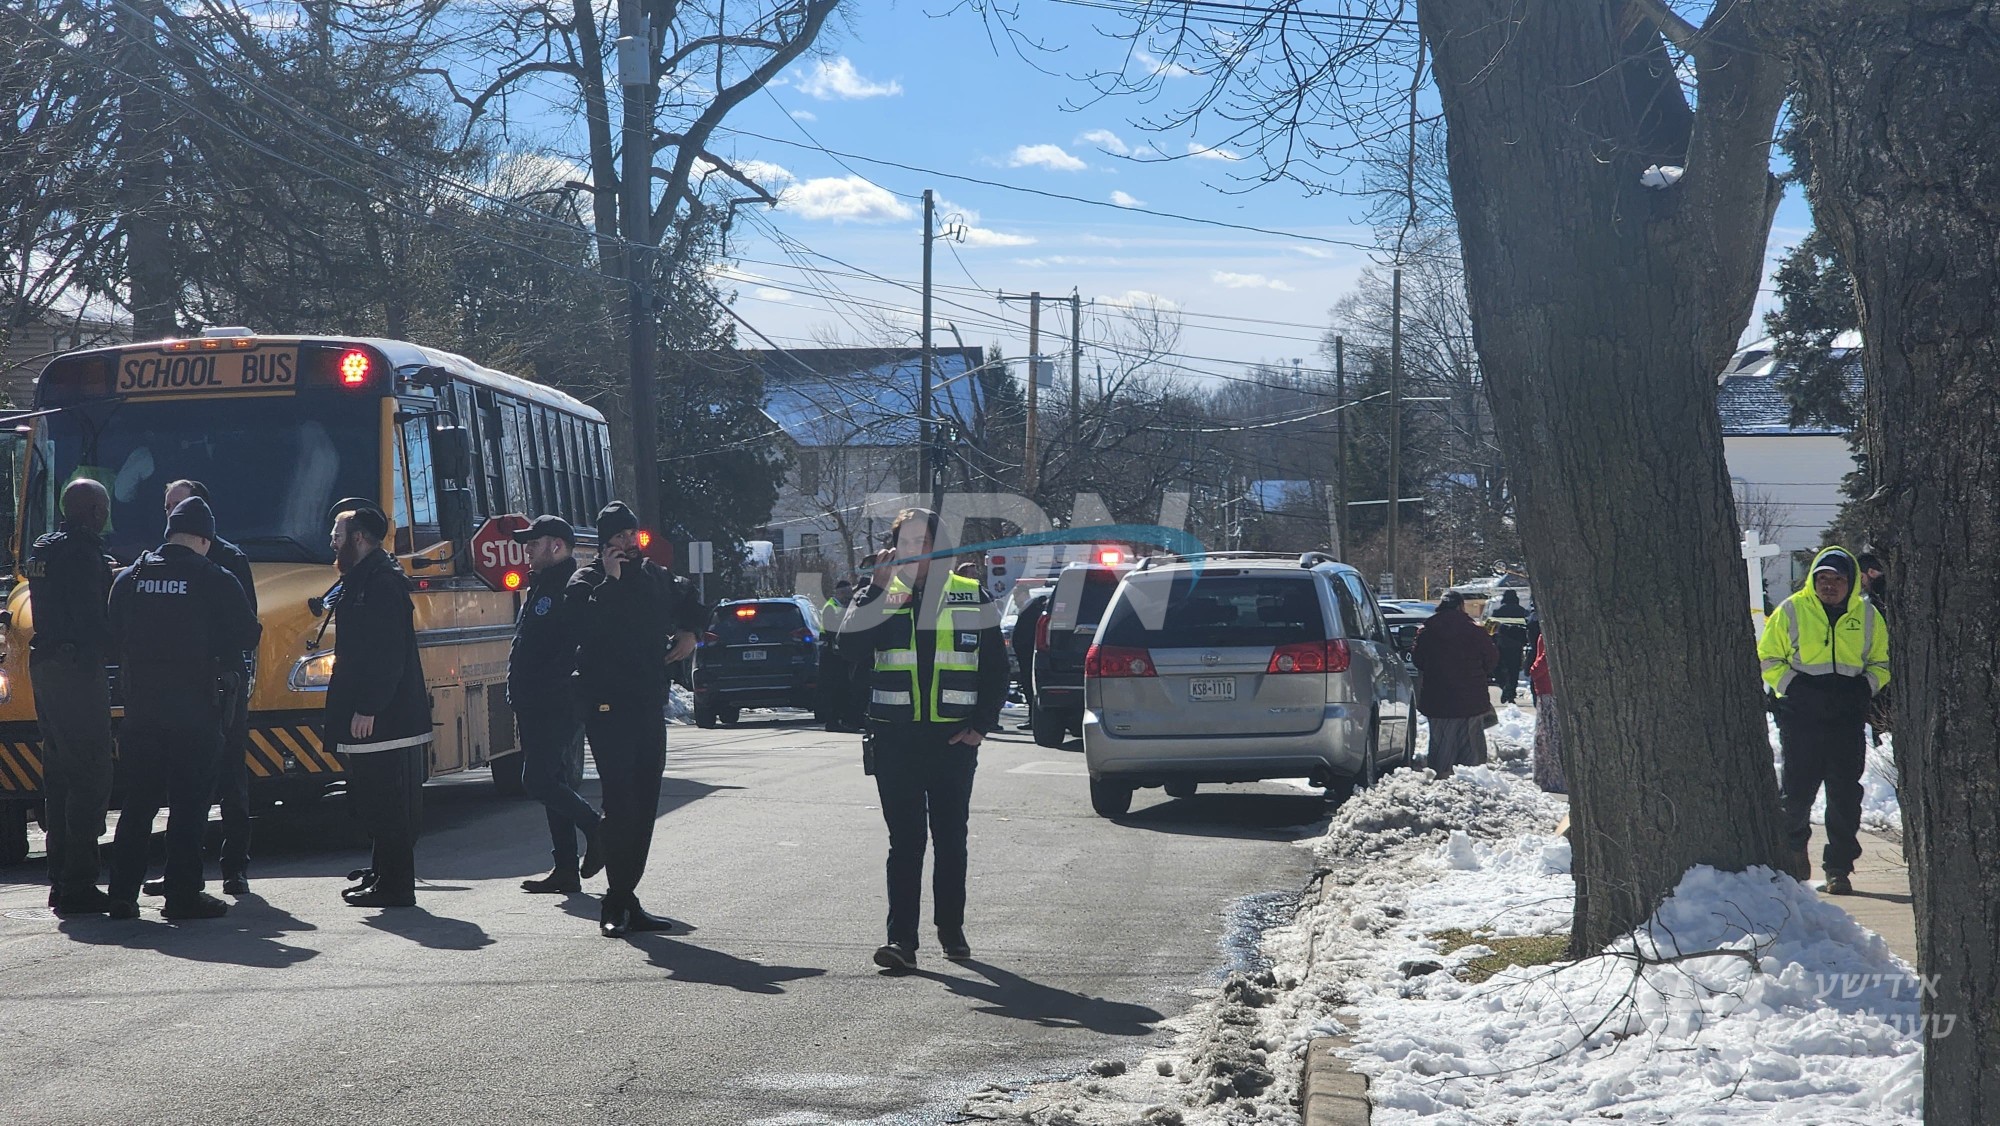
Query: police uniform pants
(232,787)
(1508,673)
(924,782)
(551,766)
(1833,753)
(387,789)
(170,765)
(628,740)
(73,704)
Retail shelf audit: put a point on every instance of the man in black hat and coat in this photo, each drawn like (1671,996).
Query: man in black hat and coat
(378,715)
(539,669)
(179,626)
(633,618)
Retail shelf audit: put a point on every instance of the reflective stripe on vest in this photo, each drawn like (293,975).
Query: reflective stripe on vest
(953,693)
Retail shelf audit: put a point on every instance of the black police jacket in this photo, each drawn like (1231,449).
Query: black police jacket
(376,670)
(544,653)
(69,584)
(625,627)
(179,626)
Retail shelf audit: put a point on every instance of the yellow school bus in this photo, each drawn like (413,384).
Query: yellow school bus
(278,428)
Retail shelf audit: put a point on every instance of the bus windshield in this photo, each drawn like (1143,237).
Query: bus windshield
(272,466)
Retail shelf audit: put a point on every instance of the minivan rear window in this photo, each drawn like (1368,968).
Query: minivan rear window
(1217,611)
(735,622)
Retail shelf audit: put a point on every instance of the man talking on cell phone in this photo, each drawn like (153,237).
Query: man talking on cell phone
(633,619)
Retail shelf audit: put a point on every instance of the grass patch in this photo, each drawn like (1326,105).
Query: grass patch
(1527,950)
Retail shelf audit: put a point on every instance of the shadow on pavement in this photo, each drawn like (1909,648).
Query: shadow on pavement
(700,965)
(1015,997)
(1239,816)
(1903,898)
(250,935)
(435,932)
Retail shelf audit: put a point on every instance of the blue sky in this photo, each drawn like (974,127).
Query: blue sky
(899,83)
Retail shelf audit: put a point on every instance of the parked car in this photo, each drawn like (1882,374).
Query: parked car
(1235,669)
(1062,640)
(757,653)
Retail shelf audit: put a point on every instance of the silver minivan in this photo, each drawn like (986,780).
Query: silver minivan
(1238,667)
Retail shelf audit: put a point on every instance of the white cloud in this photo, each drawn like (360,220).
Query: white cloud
(843,199)
(836,78)
(1124,199)
(1138,299)
(804,115)
(947,209)
(1203,152)
(766,174)
(1228,280)
(1051,157)
(1162,67)
(1107,140)
(981,237)
(770,294)
(1314,251)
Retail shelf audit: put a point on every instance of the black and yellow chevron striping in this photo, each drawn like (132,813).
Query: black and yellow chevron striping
(20,768)
(273,752)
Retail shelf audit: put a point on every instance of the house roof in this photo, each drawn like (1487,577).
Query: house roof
(862,396)
(1752,402)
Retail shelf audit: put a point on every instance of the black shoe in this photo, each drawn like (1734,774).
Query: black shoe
(1837,883)
(614,918)
(55,895)
(364,883)
(235,885)
(954,945)
(154,887)
(90,902)
(378,896)
(593,853)
(562,881)
(199,905)
(123,909)
(896,957)
(638,919)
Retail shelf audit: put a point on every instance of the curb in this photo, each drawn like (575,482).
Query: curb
(1329,1093)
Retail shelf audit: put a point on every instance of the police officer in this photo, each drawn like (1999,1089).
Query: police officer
(69,582)
(940,679)
(179,626)
(232,782)
(378,716)
(539,671)
(836,676)
(633,618)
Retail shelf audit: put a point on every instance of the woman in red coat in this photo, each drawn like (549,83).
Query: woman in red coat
(1457,659)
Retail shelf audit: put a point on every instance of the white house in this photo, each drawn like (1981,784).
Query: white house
(1786,478)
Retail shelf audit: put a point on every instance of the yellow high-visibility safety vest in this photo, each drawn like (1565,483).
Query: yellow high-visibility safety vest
(1798,640)
(953,692)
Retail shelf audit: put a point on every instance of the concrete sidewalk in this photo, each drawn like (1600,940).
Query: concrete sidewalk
(1881,900)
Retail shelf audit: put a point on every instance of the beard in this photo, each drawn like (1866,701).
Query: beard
(352,551)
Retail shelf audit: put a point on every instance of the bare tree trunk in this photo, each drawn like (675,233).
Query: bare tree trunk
(1897,114)
(1602,313)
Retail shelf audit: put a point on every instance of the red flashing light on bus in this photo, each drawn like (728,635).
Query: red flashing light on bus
(511,580)
(354,367)
(645,539)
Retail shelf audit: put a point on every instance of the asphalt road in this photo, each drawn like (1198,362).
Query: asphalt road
(485,1004)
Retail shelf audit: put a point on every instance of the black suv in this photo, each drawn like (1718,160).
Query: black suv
(757,653)
(1062,639)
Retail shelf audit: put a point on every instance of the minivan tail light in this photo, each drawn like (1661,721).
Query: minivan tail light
(1310,657)
(1112,662)
(804,634)
(1042,634)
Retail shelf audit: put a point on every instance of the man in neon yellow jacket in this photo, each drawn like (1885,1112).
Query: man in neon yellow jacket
(1825,653)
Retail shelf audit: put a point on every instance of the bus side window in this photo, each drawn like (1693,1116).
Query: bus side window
(601,450)
(494,495)
(416,488)
(577,459)
(544,438)
(593,460)
(530,460)
(475,477)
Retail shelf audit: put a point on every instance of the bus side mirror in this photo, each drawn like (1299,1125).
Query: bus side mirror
(454,509)
(451,452)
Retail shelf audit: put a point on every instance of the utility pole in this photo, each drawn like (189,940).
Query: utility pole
(1075,376)
(927,453)
(143,153)
(635,78)
(1340,446)
(1029,475)
(1395,421)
